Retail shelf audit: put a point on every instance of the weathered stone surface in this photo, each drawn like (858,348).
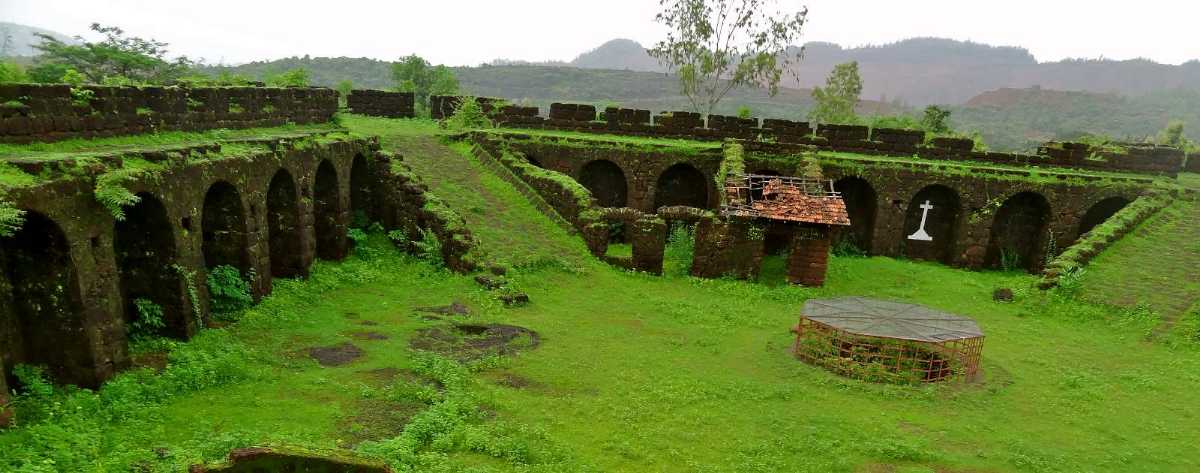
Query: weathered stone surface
(808,262)
(212,212)
(381,103)
(731,248)
(47,112)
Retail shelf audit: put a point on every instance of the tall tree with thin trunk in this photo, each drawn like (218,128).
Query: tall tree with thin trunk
(836,101)
(717,45)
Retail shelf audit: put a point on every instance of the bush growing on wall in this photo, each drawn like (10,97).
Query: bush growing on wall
(228,292)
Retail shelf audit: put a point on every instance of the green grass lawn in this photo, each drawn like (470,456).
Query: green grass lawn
(638,373)
(633,372)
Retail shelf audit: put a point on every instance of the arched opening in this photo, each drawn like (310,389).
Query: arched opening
(606,181)
(330,233)
(45,303)
(1101,212)
(223,224)
(283,226)
(861,203)
(361,204)
(534,161)
(938,208)
(144,244)
(1018,232)
(681,184)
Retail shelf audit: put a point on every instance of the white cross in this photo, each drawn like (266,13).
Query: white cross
(921,235)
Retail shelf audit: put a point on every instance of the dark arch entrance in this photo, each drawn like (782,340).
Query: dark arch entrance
(223,224)
(861,204)
(283,226)
(144,244)
(330,233)
(1018,232)
(360,192)
(606,181)
(45,303)
(681,184)
(1101,212)
(941,224)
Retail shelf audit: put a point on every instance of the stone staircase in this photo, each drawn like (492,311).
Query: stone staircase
(1158,265)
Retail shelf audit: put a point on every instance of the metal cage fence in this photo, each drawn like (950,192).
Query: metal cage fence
(884,359)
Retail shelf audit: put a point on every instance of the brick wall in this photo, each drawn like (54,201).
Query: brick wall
(37,112)
(845,138)
(380,103)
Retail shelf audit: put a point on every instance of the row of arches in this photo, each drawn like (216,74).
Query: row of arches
(1018,231)
(1017,234)
(680,184)
(44,303)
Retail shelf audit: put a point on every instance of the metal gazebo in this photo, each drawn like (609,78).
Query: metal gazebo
(887,341)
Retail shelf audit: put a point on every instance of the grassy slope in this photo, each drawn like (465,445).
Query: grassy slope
(510,230)
(641,373)
(1158,267)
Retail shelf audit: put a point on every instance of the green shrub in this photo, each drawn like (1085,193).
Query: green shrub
(149,319)
(681,247)
(469,116)
(228,292)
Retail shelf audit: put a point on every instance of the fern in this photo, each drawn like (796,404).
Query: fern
(11,219)
(112,194)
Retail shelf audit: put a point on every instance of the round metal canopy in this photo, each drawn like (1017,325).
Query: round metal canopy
(876,318)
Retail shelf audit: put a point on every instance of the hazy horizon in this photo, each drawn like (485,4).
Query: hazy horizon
(465,32)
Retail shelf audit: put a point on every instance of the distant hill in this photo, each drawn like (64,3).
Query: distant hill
(328,71)
(1020,119)
(18,40)
(922,71)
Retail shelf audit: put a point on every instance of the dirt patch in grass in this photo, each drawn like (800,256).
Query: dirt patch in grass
(467,342)
(335,355)
(367,336)
(377,419)
(516,381)
(368,323)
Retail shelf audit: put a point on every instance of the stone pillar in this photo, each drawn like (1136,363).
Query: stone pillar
(809,258)
(649,235)
(595,236)
(727,248)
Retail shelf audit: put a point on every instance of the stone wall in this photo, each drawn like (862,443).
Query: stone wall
(65,280)
(845,138)
(727,248)
(975,216)
(37,112)
(380,103)
(1193,163)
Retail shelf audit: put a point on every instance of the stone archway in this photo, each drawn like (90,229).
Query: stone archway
(144,244)
(327,214)
(45,303)
(941,224)
(681,184)
(861,204)
(223,224)
(1018,232)
(283,226)
(1101,212)
(361,202)
(606,181)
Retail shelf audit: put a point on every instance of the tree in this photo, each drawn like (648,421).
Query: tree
(717,45)
(1173,136)
(936,119)
(344,88)
(297,77)
(414,74)
(836,101)
(116,59)
(12,72)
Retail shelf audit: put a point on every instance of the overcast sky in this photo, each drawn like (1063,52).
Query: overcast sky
(469,32)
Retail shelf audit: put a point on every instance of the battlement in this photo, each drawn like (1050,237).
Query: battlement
(858,139)
(38,112)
